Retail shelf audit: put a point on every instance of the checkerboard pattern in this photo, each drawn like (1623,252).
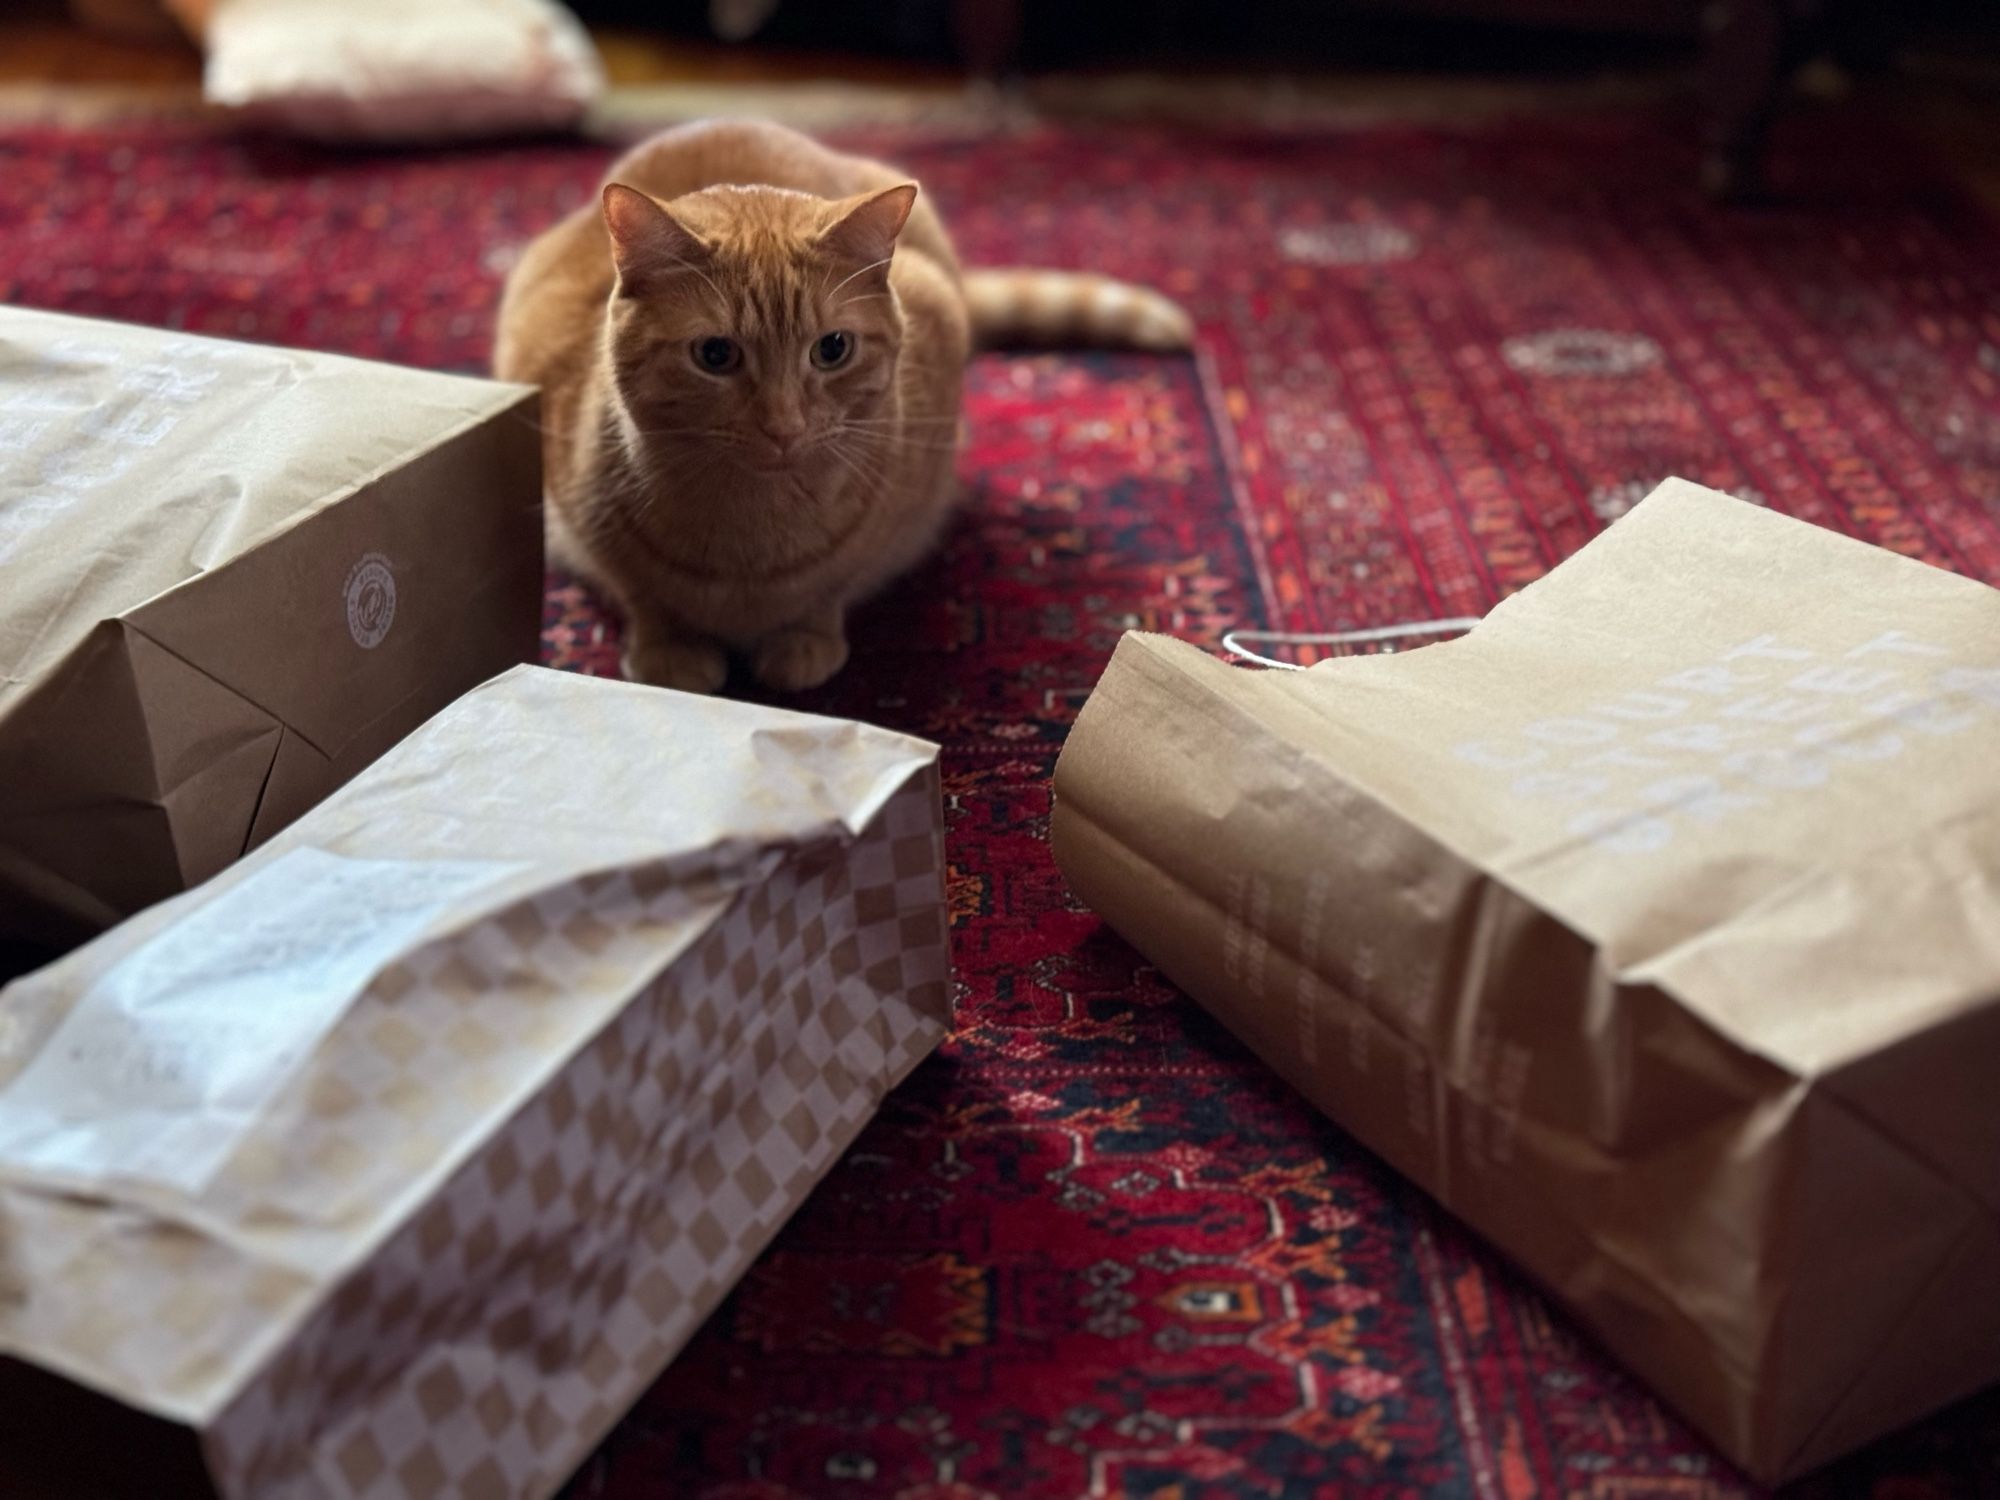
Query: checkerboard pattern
(489,1342)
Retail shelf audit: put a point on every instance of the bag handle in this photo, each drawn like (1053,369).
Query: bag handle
(1232,640)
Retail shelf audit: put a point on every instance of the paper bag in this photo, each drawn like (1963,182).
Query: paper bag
(397,1160)
(233,576)
(1654,928)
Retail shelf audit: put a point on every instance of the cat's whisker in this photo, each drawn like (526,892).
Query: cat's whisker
(880,463)
(894,443)
(710,434)
(871,266)
(843,456)
(873,459)
(532,424)
(868,481)
(658,487)
(887,448)
(887,456)
(688,265)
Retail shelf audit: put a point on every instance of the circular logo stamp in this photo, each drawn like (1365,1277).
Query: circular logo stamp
(371,600)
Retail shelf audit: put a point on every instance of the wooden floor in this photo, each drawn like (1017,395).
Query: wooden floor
(39,50)
(1954,101)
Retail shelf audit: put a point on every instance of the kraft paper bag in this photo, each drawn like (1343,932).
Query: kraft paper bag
(399,1159)
(1653,927)
(230,577)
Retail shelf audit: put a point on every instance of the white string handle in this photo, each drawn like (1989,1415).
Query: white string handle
(1232,641)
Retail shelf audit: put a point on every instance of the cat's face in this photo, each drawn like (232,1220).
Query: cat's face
(755,329)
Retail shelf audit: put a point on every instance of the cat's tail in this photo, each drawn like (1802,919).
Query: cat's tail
(1053,308)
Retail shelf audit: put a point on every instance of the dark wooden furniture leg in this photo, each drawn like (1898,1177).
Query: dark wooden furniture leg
(1754,46)
(989,35)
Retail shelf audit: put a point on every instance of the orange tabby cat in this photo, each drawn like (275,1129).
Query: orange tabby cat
(750,359)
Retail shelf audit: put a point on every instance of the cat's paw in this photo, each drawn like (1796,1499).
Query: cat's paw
(793,660)
(689,666)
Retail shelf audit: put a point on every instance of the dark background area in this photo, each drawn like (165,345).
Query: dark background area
(1476,35)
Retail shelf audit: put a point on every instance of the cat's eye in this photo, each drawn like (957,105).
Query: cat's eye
(716,355)
(833,350)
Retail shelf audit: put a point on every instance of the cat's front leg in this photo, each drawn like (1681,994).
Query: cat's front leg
(805,653)
(664,655)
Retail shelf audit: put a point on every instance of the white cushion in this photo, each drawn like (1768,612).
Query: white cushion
(390,70)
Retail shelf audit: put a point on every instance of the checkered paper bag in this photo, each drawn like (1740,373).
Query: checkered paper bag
(397,1160)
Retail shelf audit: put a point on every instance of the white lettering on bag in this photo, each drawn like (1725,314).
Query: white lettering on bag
(1479,753)
(46,398)
(1767,719)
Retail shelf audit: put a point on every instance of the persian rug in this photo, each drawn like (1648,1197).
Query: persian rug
(1094,1247)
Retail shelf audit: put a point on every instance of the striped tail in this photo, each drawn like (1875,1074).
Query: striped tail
(1050,308)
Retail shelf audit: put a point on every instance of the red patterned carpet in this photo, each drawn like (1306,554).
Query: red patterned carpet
(1093,1248)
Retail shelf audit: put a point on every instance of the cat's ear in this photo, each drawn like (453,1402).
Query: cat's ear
(867,227)
(647,242)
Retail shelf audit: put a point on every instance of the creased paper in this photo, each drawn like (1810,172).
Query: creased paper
(234,576)
(396,1160)
(164,1064)
(1654,927)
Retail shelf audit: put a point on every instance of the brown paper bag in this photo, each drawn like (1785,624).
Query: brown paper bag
(397,1160)
(1654,928)
(233,576)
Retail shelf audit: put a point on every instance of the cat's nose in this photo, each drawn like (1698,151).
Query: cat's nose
(783,436)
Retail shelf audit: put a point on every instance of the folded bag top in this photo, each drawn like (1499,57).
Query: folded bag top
(417,1142)
(1654,926)
(234,575)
